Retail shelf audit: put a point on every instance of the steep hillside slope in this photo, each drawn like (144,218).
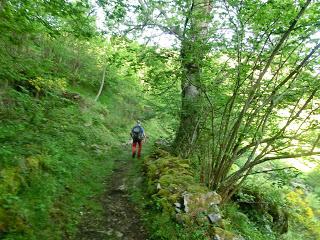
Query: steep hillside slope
(56,151)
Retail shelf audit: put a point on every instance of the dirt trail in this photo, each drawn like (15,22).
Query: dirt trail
(120,219)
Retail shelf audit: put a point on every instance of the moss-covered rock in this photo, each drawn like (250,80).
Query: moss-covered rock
(183,218)
(200,202)
(171,181)
(221,234)
(175,191)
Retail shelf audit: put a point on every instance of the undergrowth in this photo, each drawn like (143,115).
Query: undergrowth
(159,224)
(51,150)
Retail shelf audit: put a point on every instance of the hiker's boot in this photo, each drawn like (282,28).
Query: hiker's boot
(133,155)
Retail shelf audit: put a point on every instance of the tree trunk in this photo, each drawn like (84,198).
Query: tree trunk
(102,84)
(193,50)
(190,114)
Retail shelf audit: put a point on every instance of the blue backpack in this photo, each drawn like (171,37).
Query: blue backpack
(137,133)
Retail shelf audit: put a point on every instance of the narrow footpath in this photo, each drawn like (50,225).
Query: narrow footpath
(120,220)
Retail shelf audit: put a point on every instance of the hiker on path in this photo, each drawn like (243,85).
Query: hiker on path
(138,135)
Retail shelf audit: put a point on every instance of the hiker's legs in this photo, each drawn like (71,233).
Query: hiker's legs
(134,145)
(139,149)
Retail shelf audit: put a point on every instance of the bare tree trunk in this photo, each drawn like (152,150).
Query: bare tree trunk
(192,53)
(101,85)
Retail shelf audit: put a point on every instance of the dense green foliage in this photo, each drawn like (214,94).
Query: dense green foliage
(39,38)
(237,92)
(47,156)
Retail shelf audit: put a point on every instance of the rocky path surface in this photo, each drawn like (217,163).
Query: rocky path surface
(120,219)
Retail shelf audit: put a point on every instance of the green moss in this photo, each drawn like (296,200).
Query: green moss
(197,188)
(224,234)
(165,193)
(10,180)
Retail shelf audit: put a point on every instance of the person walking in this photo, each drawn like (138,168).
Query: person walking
(138,135)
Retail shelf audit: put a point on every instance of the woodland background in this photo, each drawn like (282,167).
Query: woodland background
(236,93)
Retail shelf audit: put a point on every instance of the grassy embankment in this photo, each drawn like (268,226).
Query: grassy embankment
(55,155)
